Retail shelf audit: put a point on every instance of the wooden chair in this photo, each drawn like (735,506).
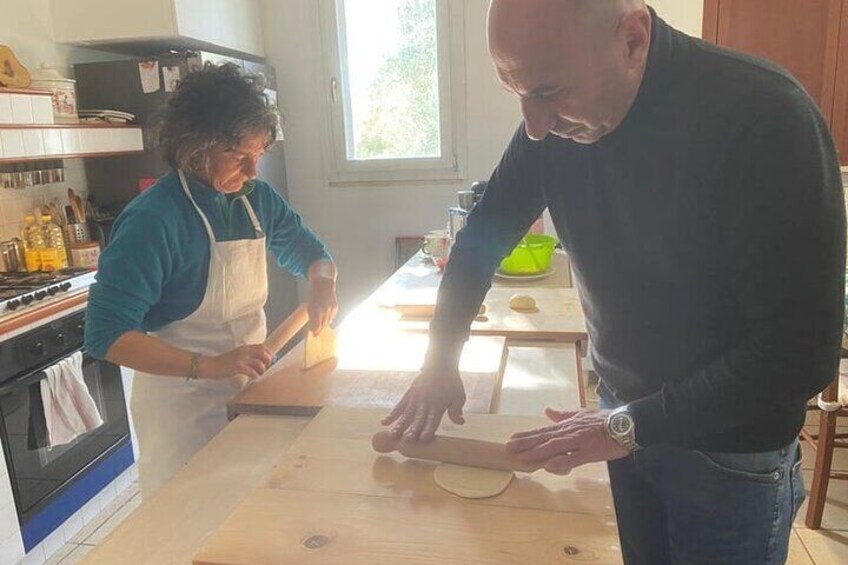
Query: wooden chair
(831,403)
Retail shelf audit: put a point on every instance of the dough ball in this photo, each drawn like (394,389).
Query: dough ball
(523,303)
(471,482)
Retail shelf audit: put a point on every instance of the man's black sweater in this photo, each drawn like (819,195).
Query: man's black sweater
(707,239)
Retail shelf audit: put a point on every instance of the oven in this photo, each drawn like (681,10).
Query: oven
(51,484)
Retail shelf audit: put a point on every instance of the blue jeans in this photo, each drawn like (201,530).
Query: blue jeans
(687,507)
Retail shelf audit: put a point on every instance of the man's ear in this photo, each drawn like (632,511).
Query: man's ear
(635,29)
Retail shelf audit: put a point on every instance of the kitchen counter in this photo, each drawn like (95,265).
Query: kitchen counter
(270,461)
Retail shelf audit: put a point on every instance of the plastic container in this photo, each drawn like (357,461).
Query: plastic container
(33,244)
(54,256)
(531,256)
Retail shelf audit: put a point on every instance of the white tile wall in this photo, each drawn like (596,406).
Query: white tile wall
(5,108)
(46,142)
(16,203)
(21,108)
(11,550)
(11,545)
(42,109)
(26,109)
(13,142)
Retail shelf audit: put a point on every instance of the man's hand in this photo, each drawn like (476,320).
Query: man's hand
(576,439)
(419,412)
(321,301)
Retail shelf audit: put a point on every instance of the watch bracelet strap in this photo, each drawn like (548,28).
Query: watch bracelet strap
(629,443)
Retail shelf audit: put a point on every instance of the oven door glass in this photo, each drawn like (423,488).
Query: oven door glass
(38,473)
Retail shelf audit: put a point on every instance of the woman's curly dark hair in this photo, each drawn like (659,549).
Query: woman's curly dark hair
(214,108)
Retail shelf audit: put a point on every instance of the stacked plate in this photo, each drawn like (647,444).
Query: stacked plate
(108,116)
(527,277)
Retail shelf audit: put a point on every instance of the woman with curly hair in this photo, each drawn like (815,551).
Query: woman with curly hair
(181,287)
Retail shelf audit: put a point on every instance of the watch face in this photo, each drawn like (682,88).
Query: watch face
(620,424)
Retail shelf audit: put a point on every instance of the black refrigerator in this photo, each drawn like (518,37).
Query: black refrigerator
(142,86)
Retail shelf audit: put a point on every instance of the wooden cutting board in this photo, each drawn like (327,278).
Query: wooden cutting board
(278,526)
(559,317)
(331,499)
(371,371)
(333,454)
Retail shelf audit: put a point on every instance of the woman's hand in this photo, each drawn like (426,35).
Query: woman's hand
(249,360)
(321,302)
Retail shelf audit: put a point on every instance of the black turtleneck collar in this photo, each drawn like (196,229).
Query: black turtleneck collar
(655,80)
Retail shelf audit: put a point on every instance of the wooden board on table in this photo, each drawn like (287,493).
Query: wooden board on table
(559,316)
(332,499)
(173,525)
(334,454)
(278,526)
(539,375)
(371,370)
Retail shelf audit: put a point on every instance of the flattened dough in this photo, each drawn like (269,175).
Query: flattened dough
(523,303)
(471,482)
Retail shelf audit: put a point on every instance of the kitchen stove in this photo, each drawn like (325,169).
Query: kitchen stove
(22,291)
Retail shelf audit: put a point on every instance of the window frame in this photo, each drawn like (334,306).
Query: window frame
(452,114)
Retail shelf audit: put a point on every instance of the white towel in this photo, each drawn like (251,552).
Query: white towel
(69,410)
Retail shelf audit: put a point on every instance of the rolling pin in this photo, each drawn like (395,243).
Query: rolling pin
(458,451)
(281,335)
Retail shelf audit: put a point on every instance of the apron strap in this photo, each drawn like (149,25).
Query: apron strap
(257,227)
(196,207)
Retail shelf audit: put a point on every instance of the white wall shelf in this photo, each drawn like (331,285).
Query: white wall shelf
(25,106)
(20,143)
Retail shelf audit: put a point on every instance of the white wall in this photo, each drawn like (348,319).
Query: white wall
(359,223)
(26,27)
(685,15)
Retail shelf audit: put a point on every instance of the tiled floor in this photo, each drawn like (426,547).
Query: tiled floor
(829,545)
(96,530)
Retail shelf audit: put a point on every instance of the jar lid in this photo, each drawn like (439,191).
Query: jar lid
(84,244)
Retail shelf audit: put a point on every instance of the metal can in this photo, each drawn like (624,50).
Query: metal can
(85,254)
(12,258)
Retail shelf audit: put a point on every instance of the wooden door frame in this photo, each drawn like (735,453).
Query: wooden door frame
(709,27)
(839,117)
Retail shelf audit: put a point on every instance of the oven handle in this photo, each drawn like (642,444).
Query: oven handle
(38,374)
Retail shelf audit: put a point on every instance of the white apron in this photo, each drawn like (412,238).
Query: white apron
(174,417)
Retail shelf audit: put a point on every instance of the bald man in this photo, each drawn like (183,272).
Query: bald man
(699,198)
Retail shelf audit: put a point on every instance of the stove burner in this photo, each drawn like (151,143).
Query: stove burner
(18,290)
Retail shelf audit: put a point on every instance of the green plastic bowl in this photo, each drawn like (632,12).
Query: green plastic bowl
(531,256)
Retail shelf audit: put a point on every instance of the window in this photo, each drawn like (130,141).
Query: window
(395,109)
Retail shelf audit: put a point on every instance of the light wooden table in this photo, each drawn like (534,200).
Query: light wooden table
(172,526)
(332,499)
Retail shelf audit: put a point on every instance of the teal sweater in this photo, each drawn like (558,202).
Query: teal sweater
(154,270)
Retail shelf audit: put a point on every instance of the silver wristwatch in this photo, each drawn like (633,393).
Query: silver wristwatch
(622,428)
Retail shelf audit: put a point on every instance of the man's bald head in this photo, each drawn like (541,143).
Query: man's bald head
(550,46)
(525,19)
